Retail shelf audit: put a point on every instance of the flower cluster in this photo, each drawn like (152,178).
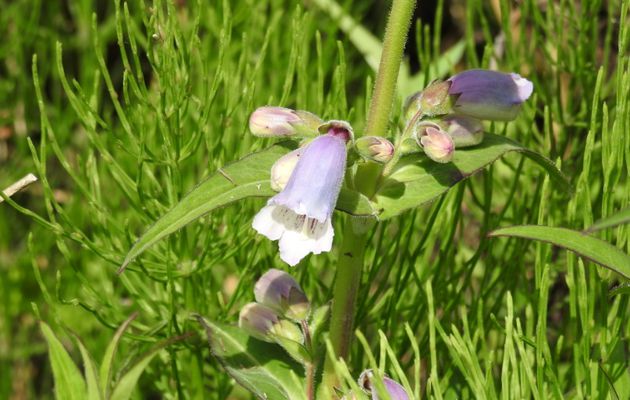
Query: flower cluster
(447,114)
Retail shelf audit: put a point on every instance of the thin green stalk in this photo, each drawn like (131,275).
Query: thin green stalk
(352,250)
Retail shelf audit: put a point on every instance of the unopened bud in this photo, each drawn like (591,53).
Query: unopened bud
(394,389)
(375,148)
(490,95)
(436,143)
(271,121)
(279,291)
(258,321)
(337,128)
(283,168)
(433,100)
(464,131)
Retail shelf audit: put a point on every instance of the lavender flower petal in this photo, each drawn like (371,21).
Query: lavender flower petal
(490,95)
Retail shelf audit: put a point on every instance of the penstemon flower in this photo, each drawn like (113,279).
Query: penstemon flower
(299,217)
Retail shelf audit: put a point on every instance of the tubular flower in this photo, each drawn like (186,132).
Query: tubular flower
(299,217)
(490,95)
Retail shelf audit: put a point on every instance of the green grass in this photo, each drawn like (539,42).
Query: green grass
(122,112)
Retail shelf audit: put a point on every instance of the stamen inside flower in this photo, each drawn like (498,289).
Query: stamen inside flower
(299,235)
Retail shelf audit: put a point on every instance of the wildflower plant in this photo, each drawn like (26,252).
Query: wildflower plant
(315,176)
(335,202)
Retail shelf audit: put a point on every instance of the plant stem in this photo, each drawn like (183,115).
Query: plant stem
(393,47)
(356,231)
(310,365)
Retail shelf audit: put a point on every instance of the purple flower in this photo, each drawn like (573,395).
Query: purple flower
(299,217)
(490,95)
(393,388)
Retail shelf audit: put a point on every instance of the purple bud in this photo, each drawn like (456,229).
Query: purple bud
(279,291)
(393,388)
(490,95)
(464,131)
(258,321)
(375,148)
(437,144)
(271,121)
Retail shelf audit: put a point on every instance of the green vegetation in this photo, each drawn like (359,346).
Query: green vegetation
(122,108)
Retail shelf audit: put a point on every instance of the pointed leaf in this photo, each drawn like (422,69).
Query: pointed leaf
(619,218)
(125,386)
(107,365)
(594,249)
(127,383)
(247,177)
(69,383)
(262,368)
(418,180)
(91,376)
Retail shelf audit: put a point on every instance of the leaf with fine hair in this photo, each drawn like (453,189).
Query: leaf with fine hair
(594,249)
(418,180)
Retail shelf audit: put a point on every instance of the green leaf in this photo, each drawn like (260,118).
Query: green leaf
(91,376)
(596,250)
(262,368)
(107,365)
(69,383)
(127,383)
(125,386)
(418,180)
(619,218)
(247,177)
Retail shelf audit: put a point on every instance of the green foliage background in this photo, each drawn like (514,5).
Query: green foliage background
(126,107)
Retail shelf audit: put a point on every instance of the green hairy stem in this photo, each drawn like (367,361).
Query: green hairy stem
(351,252)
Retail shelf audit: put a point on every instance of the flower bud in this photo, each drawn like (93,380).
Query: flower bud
(337,128)
(258,321)
(394,389)
(436,143)
(490,95)
(464,131)
(375,148)
(433,100)
(283,168)
(271,121)
(279,291)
